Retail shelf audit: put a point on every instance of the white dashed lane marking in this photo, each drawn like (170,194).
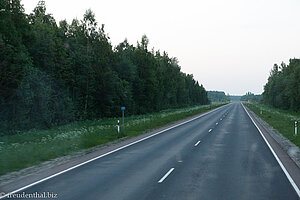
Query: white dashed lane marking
(197,143)
(166,175)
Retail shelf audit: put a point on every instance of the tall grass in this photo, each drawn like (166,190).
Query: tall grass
(35,146)
(282,120)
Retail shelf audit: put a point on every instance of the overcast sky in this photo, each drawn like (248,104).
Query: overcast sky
(228,46)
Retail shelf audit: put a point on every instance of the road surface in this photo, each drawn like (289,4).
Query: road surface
(220,155)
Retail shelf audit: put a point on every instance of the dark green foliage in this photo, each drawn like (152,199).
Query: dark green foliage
(52,74)
(283,87)
(38,102)
(13,54)
(251,97)
(217,96)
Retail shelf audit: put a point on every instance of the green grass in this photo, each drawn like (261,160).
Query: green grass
(35,146)
(283,121)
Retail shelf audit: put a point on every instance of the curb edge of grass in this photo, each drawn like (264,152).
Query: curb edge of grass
(289,147)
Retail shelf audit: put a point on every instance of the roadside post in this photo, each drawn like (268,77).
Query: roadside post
(296,128)
(118,126)
(123,109)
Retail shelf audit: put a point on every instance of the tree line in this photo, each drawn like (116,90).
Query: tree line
(283,87)
(52,74)
(217,96)
(251,97)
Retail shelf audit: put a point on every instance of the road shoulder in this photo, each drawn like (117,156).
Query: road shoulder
(287,152)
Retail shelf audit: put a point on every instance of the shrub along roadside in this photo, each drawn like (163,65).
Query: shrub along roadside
(281,120)
(35,146)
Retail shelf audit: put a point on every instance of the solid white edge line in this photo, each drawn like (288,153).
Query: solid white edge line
(166,175)
(145,138)
(197,143)
(275,155)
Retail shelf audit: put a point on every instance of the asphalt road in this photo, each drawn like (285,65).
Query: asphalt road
(218,156)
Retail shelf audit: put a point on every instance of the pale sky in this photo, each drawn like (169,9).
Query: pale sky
(228,45)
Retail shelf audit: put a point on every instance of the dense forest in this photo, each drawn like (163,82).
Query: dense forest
(52,74)
(283,87)
(217,96)
(251,97)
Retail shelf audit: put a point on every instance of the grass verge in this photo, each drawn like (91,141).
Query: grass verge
(281,120)
(35,146)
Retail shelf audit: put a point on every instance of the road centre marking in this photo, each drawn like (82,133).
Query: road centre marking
(166,175)
(197,143)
